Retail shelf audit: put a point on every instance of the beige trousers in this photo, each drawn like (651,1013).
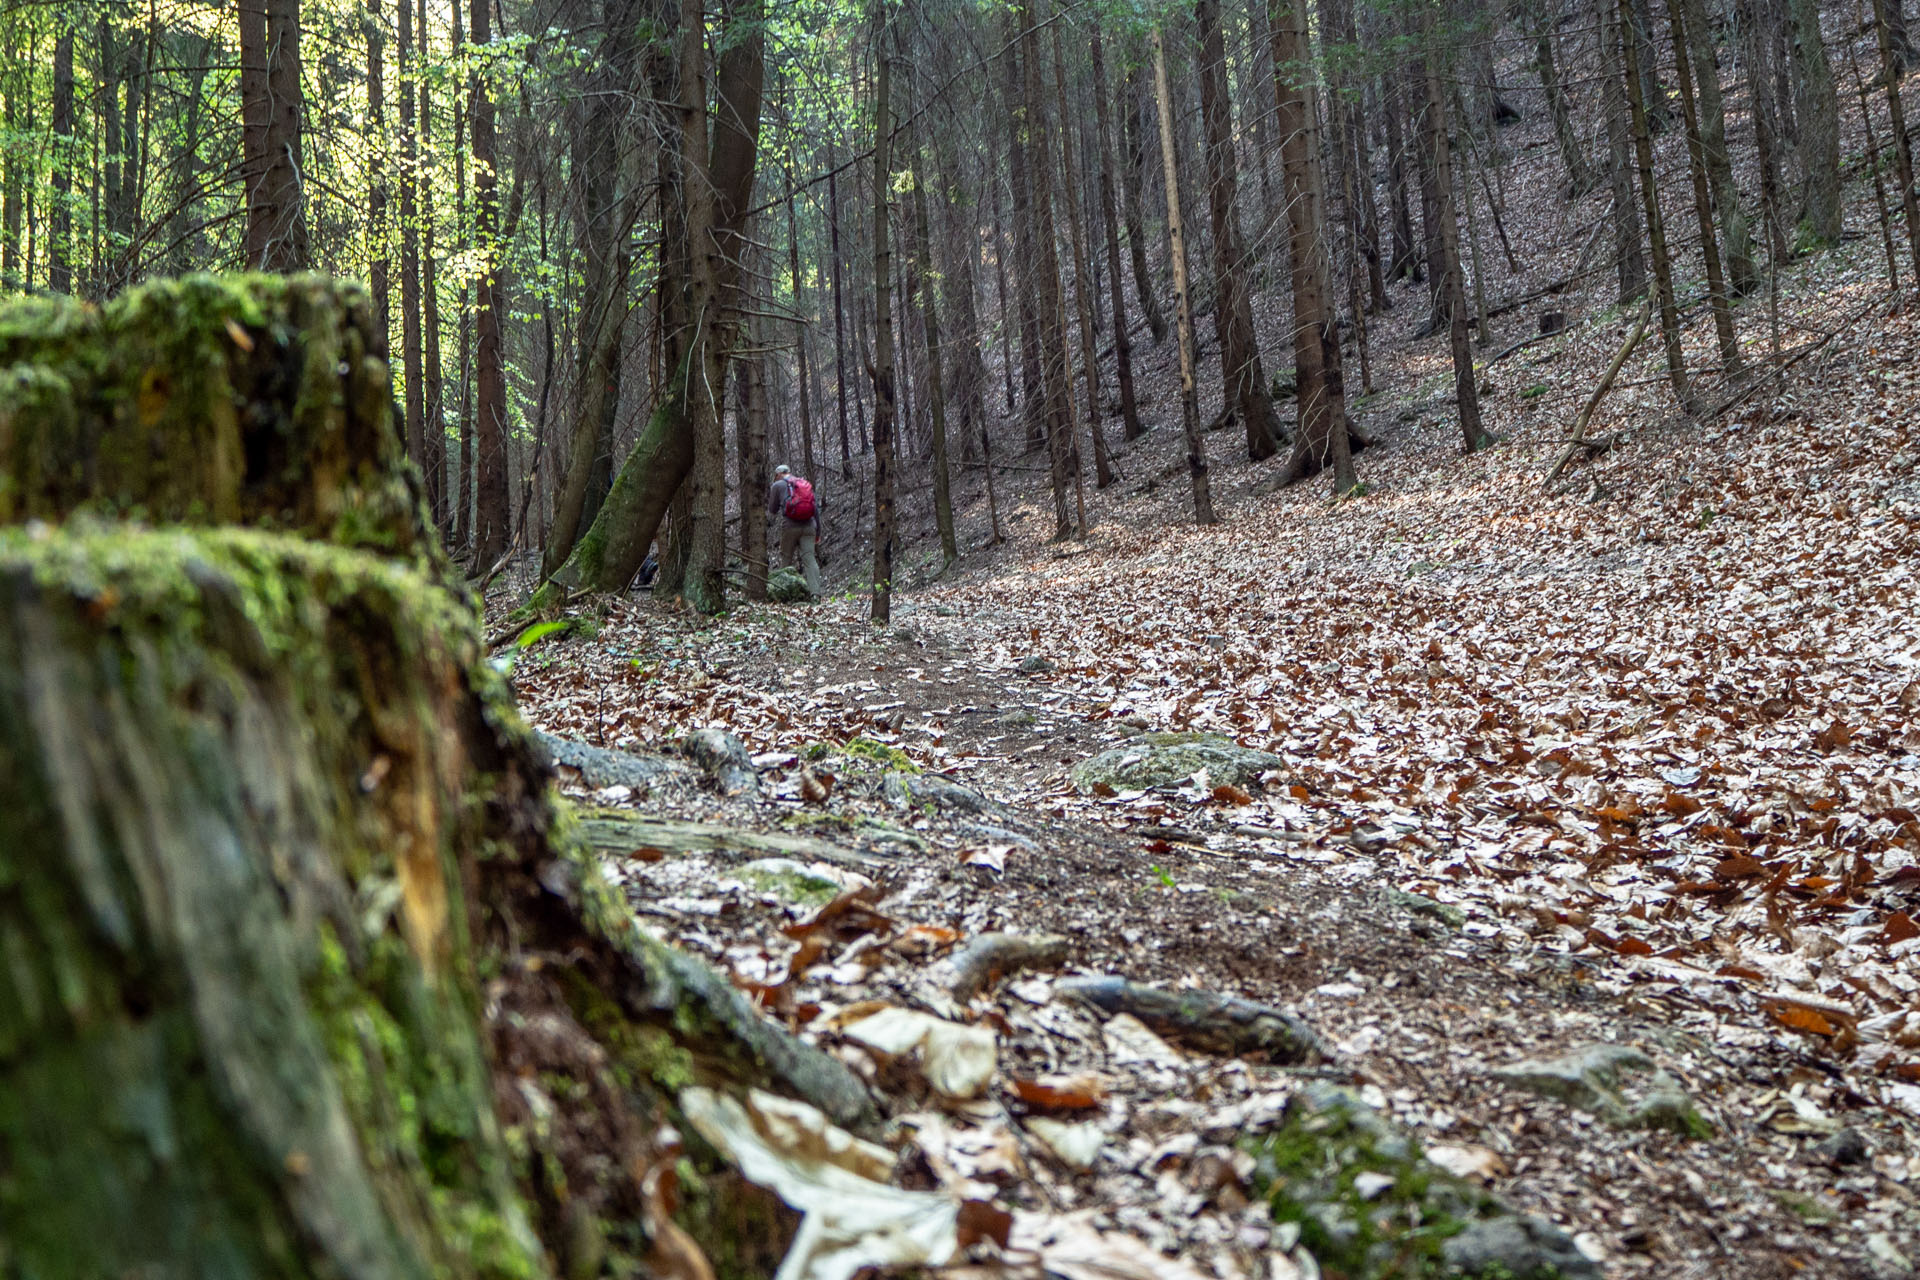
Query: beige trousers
(795,535)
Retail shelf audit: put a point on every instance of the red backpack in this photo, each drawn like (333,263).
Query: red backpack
(799,499)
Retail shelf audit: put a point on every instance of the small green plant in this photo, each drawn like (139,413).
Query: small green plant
(1707,516)
(1166,880)
(539,631)
(1534,392)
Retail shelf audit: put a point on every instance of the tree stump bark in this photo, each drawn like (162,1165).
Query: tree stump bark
(303,970)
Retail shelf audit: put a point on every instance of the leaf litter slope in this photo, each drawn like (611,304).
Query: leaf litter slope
(1657,748)
(1654,737)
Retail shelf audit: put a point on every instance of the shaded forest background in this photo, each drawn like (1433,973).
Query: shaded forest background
(647,249)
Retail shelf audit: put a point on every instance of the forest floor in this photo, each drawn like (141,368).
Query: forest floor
(1634,760)
(1651,738)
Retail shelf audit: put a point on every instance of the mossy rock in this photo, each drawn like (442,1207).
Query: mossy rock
(1369,1206)
(789,881)
(786,586)
(1169,759)
(1606,1080)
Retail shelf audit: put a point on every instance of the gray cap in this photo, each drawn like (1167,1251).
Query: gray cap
(781,470)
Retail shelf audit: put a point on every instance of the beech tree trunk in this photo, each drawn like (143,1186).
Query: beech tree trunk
(279,825)
(1703,199)
(433,383)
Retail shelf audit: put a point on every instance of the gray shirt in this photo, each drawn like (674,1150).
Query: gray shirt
(777,497)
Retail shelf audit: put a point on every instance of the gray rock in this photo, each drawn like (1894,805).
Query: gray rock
(905,789)
(1522,1246)
(1421,905)
(1035,665)
(1168,759)
(724,757)
(786,586)
(787,880)
(598,767)
(1844,1148)
(1595,1078)
(1018,718)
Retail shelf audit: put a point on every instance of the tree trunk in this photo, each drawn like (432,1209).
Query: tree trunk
(929,270)
(1320,394)
(1404,260)
(960,210)
(492,511)
(839,317)
(883,324)
(1006,338)
(1134,133)
(1243,378)
(433,384)
(750,420)
(1033,405)
(60,215)
(706,196)
(1817,107)
(1653,94)
(1656,232)
(1742,276)
(1050,314)
(1085,294)
(1182,303)
(271,109)
(1702,197)
(607,214)
(1766,129)
(1629,266)
(410,359)
(802,330)
(226,742)
(1466,388)
(1131,428)
(377,253)
(1891,62)
(1546,62)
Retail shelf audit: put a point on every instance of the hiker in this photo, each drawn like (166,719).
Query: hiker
(791,498)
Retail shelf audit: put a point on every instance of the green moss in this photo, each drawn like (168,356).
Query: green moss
(880,753)
(1806,1208)
(1311,1172)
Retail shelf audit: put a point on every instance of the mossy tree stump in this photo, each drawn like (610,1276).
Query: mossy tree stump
(302,971)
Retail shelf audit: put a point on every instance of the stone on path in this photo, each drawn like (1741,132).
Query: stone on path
(1169,759)
(1594,1078)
